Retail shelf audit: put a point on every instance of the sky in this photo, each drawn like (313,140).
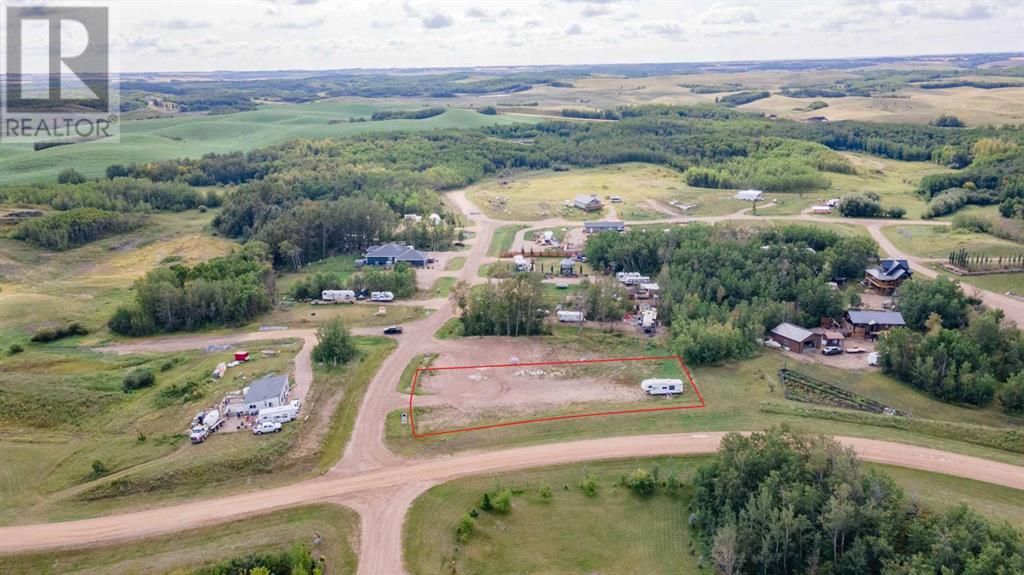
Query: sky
(169,36)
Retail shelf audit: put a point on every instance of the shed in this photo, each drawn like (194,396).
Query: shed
(587,203)
(271,391)
(749,195)
(567,267)
(609,226)
(241,356)
(793,337)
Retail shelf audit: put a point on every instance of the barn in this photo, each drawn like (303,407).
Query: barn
(794,338)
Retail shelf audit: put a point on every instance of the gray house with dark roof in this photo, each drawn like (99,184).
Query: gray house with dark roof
(609,226)
(587,203)
(869,322)
(390,254)
(271,391)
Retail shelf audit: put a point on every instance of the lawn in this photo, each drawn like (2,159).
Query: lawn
(420,360)
(455,264)
(192,136)
(614,531)
(340,266)
(362,314)
(502,240)
(183,552)
(998,283)
(733,393)
(441,287)
(938,242)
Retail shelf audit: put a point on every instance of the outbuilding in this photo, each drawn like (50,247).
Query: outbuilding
(567,267)
(609,226)
(749,195)
(793,337)
(587,203)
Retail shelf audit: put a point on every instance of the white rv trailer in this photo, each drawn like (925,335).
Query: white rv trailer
(280,414)
(382,296)
(338,295)
(567,316)
(662,386)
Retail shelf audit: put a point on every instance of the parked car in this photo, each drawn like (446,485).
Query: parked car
(832,350)
(266,427)
(393,330)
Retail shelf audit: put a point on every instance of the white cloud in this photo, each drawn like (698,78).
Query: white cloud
(573,29)
(728,14)
(594,10)
(179,24)
(436,20)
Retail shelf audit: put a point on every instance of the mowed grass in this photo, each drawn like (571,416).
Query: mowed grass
(502,240)
(183,552)
(733,395)
(937,242)
(192,136)
(455,264)
(542,194)
(998,283)
(614,531)
(360,314)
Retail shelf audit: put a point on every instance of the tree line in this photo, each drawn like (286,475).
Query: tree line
(122,194)
(75,227)
(780,503)
(507,308)
(227,290)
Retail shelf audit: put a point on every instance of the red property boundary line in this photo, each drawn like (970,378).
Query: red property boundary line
(416,377)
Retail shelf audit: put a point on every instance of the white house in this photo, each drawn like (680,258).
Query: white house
(271,391)
(749,195)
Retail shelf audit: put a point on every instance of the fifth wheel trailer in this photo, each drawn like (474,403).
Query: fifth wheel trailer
(662,386)
(338,295)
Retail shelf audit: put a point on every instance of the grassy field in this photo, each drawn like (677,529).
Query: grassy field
(48,475)
(614,531)
(183,552)
(539,195)
(502,239)
(421,360)
(363,314)
(340,266)
(441,287)
(192,136)
(733,394)
(998,283)
(455,264)
(939,241)
(86,284)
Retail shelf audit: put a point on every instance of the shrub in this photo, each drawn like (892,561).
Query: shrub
(99,469)
(138,378)
(641,481)
(48,334)
(502,501)
(186,392)
(15,348)
(545,492)
(589,485)
(465,527)
(70,176)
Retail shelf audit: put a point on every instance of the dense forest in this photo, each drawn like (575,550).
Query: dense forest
(782,503)
(227,290)
(722,288)
(120,194)
(63,230)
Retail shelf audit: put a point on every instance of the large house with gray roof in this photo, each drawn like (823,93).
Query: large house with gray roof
(391,254)
(888,275)
(271,391)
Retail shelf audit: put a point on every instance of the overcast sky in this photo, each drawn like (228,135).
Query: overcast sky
(327,34)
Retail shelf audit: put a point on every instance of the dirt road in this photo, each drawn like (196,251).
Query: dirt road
(381,485)
(359,488)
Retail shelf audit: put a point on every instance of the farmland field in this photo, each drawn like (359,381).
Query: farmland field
(192,136)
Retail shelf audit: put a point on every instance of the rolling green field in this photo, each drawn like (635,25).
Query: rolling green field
(615,531)
(182,552)
(192,136)
(937,242)
(733,393)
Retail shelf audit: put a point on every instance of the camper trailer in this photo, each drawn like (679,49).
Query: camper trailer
(338,295)
(566,316)
(662,386)
(382,296)
(648,320)
(280,414)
